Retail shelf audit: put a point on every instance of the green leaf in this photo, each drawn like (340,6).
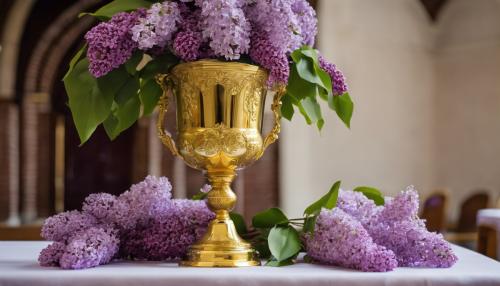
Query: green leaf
(309,224)
(372,193)
(327,201)
(306,51)
(150,93)
(90,105)
(275,263)
(283,242)
(159,65)
(312,109)
(113,81)
(306,60)
(262,248)
(325,78)
(107,11)
(126,111)
(75,59)
(111,123)
(127,92)
(269,218)
(308,72)
(298,87)
(320,124)
(287,107)
(131,64)
(239,223)
(199,196)
(302,110)
(343,106)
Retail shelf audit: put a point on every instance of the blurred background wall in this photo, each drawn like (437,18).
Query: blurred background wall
(427,95)
(467,99)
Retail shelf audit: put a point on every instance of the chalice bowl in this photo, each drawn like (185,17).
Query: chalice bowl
(220,109)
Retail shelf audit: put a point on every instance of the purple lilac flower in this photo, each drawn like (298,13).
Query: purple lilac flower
(110,43)
(206,188)
(277,19)
(264,52)
(340,239)
(145,200)
(99,205)
(339,85)
(50,255)
(188,41)
(358,206)
(158,26)
(90,248)
(198,3)
(63,226)
(168,236)
(227,28)
(398,228)
(307,21)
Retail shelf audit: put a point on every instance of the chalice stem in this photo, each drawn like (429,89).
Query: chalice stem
(221,199)
(221,245)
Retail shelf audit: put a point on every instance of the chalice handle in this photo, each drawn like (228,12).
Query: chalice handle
(165,82)
(280,90)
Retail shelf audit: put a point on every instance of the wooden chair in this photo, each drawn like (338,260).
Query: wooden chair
(465,232)
(469,209)
(434,211)
(487,241)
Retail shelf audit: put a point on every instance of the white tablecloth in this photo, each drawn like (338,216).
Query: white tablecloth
(18,266)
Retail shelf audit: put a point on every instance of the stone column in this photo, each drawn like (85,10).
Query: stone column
(13,165)
(9,160)
(30,159)
(154,148)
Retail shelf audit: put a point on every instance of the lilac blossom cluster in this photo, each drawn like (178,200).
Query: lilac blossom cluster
(110,43)
(340,239)
(339,85)
(142,223)
(158,26)
(391,235)
(266,31)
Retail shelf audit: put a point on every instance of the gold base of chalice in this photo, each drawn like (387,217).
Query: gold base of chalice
(220,106)
(221,246)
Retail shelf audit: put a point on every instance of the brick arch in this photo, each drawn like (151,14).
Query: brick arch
(53,45)
(11,37)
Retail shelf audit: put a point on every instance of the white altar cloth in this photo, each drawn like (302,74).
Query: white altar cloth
(18,266)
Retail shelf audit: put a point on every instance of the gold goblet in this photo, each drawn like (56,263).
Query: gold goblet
(220,107)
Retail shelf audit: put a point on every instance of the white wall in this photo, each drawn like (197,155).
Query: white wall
(385,49)
(467,128)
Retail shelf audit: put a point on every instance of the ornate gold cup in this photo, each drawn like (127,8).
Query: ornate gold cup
(220,107)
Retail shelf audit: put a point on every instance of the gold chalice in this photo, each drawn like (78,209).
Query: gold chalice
(220,106)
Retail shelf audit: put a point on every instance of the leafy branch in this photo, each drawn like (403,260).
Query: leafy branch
(116,99)
(307,85)
(278,238)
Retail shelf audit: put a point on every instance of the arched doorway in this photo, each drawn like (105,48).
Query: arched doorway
(54,173)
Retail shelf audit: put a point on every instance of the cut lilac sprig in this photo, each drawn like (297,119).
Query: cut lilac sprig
(398,228)
(142,223)
(339,239)
(110,43)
